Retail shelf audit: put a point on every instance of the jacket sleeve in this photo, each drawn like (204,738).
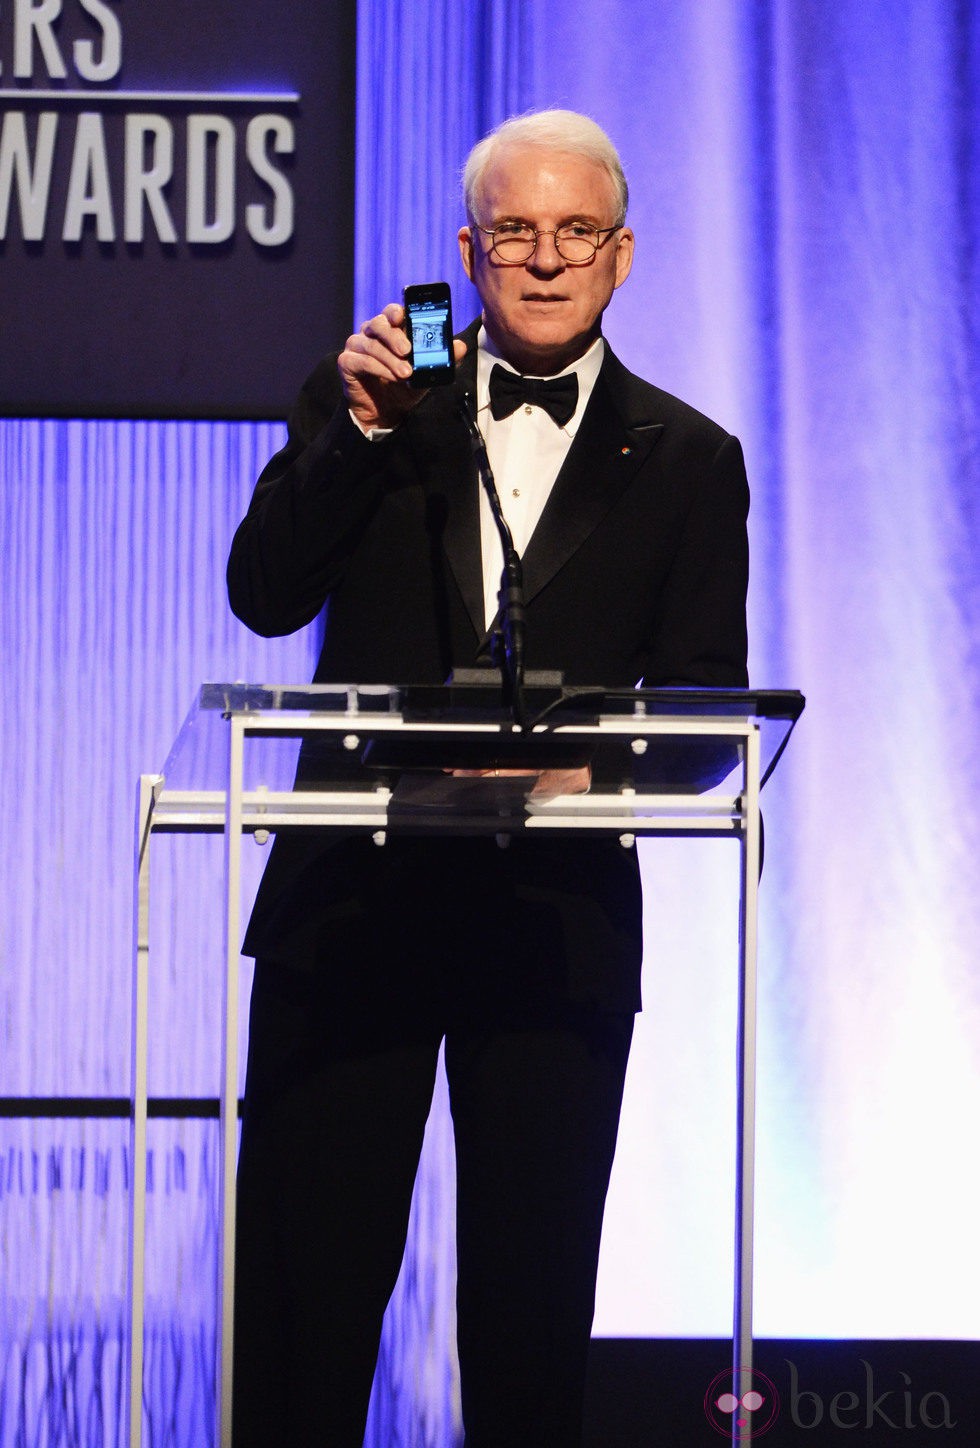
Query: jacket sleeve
(310,505)
(701,636)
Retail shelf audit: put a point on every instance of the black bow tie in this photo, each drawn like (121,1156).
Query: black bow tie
(557,395)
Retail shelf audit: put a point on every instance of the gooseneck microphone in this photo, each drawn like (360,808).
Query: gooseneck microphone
(509,641)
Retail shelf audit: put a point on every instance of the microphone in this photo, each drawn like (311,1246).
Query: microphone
(510,596)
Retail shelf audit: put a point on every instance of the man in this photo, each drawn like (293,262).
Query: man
(629,509)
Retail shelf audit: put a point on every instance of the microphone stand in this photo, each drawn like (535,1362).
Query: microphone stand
(509,638)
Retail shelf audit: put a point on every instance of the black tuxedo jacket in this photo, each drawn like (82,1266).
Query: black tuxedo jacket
(637,570)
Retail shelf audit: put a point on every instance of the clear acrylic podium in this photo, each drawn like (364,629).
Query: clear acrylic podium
(661,761)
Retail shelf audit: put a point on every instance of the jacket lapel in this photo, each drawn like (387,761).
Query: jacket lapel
(614,440)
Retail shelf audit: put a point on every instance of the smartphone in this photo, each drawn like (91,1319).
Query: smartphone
(429,324)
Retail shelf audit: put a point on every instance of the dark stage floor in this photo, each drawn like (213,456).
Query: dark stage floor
(664,1393)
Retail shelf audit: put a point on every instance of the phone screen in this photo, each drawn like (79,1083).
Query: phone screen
(429,322)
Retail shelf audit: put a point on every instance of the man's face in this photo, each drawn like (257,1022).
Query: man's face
(545,313)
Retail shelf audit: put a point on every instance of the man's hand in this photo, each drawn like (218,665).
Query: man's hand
(553,782)
(374,370)
(549,783)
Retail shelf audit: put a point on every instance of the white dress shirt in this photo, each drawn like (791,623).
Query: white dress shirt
(526,451)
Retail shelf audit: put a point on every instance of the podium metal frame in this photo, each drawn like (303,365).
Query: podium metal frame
(354,715)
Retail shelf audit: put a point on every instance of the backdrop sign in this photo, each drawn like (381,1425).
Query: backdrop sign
(176,203)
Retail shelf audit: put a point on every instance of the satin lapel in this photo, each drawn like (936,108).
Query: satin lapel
(613,442)
(448,473)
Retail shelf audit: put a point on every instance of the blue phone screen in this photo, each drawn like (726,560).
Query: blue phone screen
(431,340)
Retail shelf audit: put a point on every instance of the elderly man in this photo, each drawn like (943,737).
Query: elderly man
(629,510)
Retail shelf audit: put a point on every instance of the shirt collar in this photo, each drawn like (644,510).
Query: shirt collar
(586,368)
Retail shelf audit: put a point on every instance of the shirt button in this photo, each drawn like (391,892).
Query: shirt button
(527,408)
(515,493)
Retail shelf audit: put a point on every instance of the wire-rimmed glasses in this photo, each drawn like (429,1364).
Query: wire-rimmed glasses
(576,242)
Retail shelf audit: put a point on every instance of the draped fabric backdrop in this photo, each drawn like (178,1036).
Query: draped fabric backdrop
(805,184)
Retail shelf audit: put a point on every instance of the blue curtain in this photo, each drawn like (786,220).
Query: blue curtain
(112,607)
(805,197)
(807,210)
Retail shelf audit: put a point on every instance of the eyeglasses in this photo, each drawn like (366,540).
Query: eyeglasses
(516,241)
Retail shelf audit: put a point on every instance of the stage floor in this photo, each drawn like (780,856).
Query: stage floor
(664,1393)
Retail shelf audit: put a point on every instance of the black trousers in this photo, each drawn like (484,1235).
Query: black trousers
(336,1104)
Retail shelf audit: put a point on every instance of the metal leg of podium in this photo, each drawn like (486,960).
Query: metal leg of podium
(229,1082)
(742,1346)
(149,784)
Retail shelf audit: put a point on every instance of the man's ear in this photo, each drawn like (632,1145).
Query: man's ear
(465,239)
(624,255)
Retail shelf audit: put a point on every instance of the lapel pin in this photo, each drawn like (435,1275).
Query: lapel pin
(626,451)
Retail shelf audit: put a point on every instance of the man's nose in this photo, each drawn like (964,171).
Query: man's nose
(546,256)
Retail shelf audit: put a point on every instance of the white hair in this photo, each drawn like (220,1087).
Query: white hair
(557,130)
